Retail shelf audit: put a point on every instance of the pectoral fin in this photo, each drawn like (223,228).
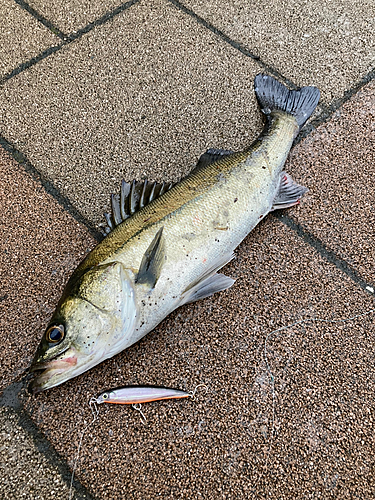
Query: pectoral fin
(152,261)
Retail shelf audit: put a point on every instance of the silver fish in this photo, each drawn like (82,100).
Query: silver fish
(167,243)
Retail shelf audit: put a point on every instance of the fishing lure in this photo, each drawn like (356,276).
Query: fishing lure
(136,394)
(140,394)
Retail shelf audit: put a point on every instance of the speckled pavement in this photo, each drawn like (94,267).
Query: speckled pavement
(91,92)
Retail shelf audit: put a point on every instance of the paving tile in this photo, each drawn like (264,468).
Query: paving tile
(21,36)
(313,440)
(337,164)
(25,472)
(141,96)
(40,246)
(329,44)
(72,15)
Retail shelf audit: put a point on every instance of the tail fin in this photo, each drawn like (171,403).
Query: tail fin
(273,95)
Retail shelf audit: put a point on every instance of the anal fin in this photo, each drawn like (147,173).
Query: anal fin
(289,193)
(210,282)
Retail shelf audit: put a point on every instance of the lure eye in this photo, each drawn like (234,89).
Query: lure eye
(105,396)
(55,334)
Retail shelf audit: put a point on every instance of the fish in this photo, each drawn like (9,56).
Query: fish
(139,394)
(167,242)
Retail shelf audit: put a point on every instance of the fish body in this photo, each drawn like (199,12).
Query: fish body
(168,252)
(139,394)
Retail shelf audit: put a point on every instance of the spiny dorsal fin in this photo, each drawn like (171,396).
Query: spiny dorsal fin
(133,196)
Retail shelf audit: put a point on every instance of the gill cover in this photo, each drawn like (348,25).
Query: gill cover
(109,288)
(95,318)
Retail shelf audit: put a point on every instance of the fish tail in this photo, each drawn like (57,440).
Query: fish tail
(273,95)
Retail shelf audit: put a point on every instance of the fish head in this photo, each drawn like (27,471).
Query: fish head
(94,320)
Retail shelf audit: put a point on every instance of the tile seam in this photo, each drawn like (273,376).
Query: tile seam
(67,205)
(325,252)
(237,45)
(43,20)
(328,110)
(50,188)
(72,37)
(10,399)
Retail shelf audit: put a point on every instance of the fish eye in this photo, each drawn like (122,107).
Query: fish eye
(55,334)
(105,396)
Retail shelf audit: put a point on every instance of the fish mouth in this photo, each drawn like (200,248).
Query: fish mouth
(51,373)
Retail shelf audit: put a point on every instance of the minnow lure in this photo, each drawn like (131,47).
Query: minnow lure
(133,394)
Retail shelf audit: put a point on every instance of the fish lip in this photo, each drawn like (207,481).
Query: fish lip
(43,365)
(53,367)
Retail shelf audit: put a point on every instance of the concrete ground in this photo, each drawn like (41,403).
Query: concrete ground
(92,92)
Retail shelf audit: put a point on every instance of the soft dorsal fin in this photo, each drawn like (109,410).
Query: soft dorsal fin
(131,199)
(212,155)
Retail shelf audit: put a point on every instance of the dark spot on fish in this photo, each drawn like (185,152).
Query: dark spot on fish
(260,216)
(264,168)
(147,219)
(236,199)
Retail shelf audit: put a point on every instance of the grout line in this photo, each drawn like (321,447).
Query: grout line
(330,109)
(324,251)
(102,20)
(10,398)
(39,439)
(50,188)
(56,31)
(67,39)
(237,45)
(34,60)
